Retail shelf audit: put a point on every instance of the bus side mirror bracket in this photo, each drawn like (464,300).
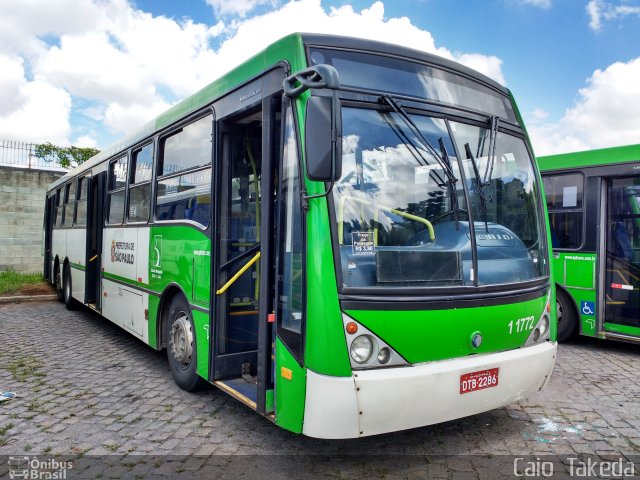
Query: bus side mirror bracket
(318,76)
(322,153)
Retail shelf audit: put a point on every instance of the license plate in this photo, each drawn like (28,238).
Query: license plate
(470,382)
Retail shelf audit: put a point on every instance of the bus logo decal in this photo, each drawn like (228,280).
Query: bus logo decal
(157,249)
(122,252)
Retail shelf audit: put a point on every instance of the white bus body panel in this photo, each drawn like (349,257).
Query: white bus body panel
(392,399)
(58,245)
(126,254)
(76,253)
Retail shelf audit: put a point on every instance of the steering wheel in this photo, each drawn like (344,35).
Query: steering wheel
(449,213)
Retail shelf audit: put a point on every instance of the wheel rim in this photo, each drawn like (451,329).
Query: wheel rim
(67,290)
(58,280)
(181,340)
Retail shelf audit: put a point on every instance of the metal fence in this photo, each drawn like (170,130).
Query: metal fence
(22,155)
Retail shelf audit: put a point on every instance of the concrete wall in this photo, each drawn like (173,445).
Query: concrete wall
(22,194)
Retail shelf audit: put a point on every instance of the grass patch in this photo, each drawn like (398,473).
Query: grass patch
(25,367)
(6,428)
(11,282)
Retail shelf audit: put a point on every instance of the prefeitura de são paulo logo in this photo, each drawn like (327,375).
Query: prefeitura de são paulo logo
(122,252)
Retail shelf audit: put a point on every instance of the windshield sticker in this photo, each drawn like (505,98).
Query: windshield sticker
(362,243)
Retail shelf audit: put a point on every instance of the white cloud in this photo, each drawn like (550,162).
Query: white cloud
(43,117)
(537,3)
(11,82)
(121,66)
(605,114)
(236,7)
(85,141)
(126,118)
(599,10)
(309,16)
(539,114)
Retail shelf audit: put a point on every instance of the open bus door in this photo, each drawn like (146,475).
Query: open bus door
(622,277)
(95,224)
(49,219)
(248,143)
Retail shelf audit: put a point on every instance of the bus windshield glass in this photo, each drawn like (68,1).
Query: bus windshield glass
(394,75)
(402,216)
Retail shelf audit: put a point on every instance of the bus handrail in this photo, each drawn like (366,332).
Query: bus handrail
(232,280)
(410,216)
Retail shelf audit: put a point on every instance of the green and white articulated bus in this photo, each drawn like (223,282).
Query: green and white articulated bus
(593,199)
(345,235)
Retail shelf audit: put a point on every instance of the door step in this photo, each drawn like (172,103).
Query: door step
(240,389)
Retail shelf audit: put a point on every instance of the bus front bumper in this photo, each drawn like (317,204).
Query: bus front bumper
(377,401)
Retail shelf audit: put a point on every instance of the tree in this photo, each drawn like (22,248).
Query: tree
(66,156)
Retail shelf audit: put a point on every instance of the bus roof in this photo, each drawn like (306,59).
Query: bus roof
(290,48)
(590,158)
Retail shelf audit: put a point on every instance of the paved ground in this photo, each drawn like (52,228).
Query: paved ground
(88,388)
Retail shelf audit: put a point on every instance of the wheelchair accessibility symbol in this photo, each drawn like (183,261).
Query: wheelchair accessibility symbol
(587,308)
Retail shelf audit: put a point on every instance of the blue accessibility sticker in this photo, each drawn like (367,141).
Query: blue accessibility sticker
(587,308)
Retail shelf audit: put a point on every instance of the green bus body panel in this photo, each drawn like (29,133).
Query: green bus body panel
(325,343)
(201,325)
(185,260)
(624,329)
(185,254)
(154,304)
(290,394)
(428,335)
(603,156)
(576,272)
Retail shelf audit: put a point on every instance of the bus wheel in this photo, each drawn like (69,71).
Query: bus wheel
(58,283)
(181,345)
(567,316)
(67,297)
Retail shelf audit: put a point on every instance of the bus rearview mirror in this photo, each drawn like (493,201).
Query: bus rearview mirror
(322,146)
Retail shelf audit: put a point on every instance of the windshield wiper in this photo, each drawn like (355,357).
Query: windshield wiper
(399,110)
(452,185)
(414,150)
(491,155)
(479,183)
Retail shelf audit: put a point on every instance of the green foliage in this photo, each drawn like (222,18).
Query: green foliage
(66,156)
(11,281)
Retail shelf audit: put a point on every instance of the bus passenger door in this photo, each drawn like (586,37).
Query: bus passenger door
(95,224)
(622,280)
(49,219)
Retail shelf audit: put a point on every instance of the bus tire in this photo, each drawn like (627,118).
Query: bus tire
(567,316)
(57,282)
(67,289)
(181,344)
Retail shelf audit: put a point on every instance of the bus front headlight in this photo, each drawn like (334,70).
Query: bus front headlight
(540,333)
(361,349)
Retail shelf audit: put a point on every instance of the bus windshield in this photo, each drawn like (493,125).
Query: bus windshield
(404,218)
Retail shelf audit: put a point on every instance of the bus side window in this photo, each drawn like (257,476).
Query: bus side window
(290,288)
(116,190)
(69,205)
(564,202)
(140,184)
(58,215)
(186,196)
(81,206)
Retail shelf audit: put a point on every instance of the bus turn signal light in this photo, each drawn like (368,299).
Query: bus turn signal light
(352,328)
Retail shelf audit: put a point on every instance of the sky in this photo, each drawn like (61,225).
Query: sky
(88,72)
